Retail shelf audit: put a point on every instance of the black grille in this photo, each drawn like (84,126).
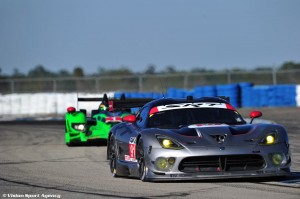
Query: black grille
(221,163)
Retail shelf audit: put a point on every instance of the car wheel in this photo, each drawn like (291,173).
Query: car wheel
(73,143)
(141,161)
(112,157)
(67,139)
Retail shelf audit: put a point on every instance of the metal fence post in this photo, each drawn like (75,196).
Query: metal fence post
(12,86)
(274,76)
(185,81)
(54,86)
(140,83)
(228,77)
(97,84)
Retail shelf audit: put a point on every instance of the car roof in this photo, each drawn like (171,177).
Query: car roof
(165,101)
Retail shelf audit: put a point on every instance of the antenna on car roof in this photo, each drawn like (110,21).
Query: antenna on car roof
(77,99)
(225,98)
(162,88)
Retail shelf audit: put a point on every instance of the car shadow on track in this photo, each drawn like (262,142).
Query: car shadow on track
(294,178)
(91,143)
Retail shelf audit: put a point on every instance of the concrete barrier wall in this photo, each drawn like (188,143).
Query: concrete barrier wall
(43,103)
(298,95)
(241,95)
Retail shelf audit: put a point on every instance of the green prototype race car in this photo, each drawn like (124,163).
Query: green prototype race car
(81,128)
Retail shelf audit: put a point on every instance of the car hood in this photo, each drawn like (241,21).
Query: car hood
(216,134)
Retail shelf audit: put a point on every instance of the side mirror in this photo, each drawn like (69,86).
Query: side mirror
(129,118)
(71,109)
(255,114)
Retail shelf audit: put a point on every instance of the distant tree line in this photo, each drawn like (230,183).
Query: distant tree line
(41,72)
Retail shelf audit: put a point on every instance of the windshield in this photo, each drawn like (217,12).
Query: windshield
(178,118)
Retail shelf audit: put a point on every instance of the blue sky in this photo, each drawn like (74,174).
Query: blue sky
(211,34)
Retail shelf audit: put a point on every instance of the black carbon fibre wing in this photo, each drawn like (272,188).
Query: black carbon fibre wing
(90,99)
(128,103)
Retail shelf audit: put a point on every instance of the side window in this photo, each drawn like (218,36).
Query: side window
(141,116)
(138,116)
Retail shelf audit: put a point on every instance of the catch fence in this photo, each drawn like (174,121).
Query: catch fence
(146,83)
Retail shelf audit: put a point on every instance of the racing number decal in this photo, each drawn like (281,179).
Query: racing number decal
(132,147)
(132,150)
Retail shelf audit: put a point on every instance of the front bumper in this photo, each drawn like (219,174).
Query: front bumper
(75,137)
(260,165)
(151,176)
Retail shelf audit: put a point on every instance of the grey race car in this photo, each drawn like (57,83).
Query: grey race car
(190,139)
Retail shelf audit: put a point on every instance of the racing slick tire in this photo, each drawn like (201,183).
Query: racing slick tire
(112,157)
(143,169)
(74,143)
(67,137)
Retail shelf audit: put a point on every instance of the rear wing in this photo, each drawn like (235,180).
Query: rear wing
(127,103)
(113,104)
(90,99)
(103,99)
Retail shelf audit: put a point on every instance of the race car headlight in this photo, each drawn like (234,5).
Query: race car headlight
(269,139)
(278,158)
(79,127)
(168,143)
(164,164)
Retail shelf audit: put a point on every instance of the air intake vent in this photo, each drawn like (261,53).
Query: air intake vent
(221,163)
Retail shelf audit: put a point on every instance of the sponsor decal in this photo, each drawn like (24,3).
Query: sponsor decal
(180,175)
(189,105)
(128,158)
(132,150)
(113,119)
(219,138)
(111,105)
(192,105)
(206,125)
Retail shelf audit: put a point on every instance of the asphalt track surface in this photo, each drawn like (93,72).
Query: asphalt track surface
(36,163)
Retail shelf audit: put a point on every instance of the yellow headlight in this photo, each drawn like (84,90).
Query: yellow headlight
(171,161)
(162,163)
(270,139)
(167,143)
(277,158)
